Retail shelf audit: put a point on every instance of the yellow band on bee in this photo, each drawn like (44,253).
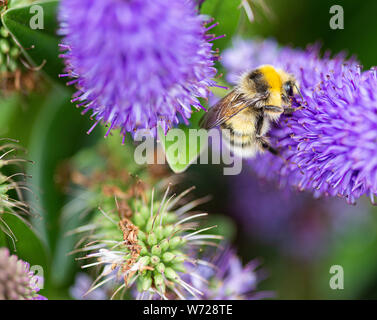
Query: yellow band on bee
(272,77)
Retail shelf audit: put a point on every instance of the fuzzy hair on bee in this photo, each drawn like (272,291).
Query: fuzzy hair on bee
(246,113)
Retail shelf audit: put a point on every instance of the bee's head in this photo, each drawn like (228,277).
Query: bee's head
(290,86)
(267,79)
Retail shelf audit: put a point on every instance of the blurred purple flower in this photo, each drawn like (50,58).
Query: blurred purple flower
(136,62)
(227,279)
(83,283)
(329,146)
(293,222)
(17,282)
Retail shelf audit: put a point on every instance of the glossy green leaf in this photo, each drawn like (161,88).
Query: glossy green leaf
(40,46)
(181,145)
(28,245)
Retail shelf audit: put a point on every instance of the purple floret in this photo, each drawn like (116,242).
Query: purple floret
(226,278)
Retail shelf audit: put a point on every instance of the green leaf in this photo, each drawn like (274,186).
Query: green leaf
(220,92)
(182,145)
(227,14)
(8,108)
(40,46)
(225,226)
(59,133)
(28,246)
(180,150)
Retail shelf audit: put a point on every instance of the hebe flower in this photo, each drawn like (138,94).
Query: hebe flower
(17,282)
(229,279)
(329,144)
(146,241)
(136,62)
(82,284)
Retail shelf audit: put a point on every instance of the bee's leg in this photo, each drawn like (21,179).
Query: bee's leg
(262,140)
(266,145)
(259,124)
(274,109)
(289,110)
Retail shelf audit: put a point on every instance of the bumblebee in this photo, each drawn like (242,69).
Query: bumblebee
(245,114)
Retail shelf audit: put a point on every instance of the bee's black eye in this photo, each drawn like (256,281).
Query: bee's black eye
(288,88)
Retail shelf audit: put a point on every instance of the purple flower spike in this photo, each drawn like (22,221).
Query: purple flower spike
(229,279)
(17,282)
(136,62)
(329,146)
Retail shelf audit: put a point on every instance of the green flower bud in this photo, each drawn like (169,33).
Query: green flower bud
(164,244)
(171,274)
(144,261)
(4,46)
(152,239)
(141,236)
(144,251)
(155,260)
(159,231)
(175,242)
(160,268)
(139,219)
(168,231)
(145,213)
(159,282)
(179,267)
(149,225)
(156,250)
(4,32)
(178,257)
(146,282)
(168,256)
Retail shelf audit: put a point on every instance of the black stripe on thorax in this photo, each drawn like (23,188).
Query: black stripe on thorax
(261,85)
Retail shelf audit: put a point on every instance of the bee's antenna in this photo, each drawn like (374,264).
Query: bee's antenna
(299,92)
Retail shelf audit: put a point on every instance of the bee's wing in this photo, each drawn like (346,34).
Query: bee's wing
(226,108)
